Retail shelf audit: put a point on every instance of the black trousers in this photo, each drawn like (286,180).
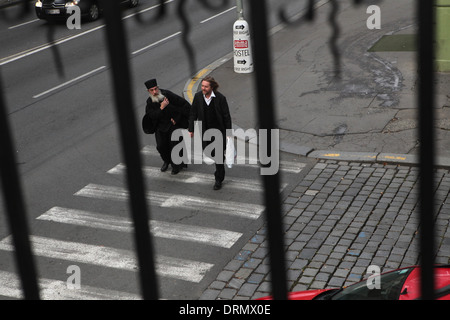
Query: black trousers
(164,145)
(219,174)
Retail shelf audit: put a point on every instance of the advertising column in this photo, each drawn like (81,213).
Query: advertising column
(243,61)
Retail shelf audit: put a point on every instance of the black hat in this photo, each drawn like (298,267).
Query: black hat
(151,83)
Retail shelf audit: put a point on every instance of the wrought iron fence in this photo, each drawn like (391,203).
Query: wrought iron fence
(117,47)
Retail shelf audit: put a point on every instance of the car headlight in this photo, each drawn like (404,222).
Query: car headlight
(38,4)
(72,3)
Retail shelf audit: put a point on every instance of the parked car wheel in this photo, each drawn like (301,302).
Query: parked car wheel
(94,12)
(134,3)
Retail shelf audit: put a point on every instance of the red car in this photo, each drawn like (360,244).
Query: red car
(400,284)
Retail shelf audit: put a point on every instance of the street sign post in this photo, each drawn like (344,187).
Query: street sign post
(243,61)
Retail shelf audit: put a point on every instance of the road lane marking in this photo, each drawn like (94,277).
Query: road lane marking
(217,15)
(167,200)
(11,286)
(156,43)
(181,269)
(68,82)
(193,81)
(145,10)
(286,166)
(332,155)
(45,46)
(395,158)
(42,47)
(23,24)
(196,178)
(161,229)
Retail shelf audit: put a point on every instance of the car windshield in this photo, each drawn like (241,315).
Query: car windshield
(390,285)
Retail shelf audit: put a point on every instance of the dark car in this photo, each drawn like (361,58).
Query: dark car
(57,9)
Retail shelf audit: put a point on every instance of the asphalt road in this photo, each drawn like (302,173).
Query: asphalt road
(68,152)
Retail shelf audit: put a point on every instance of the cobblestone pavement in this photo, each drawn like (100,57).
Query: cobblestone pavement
(340,219)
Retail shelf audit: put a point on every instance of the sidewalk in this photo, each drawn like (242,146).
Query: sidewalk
(370,115)
(340,219)
(358,205)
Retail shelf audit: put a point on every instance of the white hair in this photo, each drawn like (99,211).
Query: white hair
(158,98)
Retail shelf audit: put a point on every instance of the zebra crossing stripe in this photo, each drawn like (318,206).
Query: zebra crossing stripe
(181,269)
(244,210)
(196,178)
(58,290)
(286,166)
(161,229)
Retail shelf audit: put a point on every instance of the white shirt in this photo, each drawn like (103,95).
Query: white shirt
(208,100)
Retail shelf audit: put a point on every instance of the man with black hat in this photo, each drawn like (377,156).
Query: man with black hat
(168,112)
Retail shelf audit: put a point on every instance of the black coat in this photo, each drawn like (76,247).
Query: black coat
(178,109)
(220,105)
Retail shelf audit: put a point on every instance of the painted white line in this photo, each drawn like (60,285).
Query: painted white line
(22,24)
(190,177)
(145,10)
(287,166)
(46,46)
(187,270)
(78,252)
(217,15)
(237,209)
(69,82)
(157,42)
(161,229)
(10,286)
(43,47)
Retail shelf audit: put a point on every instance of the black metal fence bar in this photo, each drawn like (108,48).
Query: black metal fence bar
(117,48)
(426,14)
(266,116)
(15,207)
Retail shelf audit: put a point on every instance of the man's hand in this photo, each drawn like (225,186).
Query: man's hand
(191,134)
(164,104)
(173,121)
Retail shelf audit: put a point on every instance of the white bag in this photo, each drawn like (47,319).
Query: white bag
(230,154)
(207,160)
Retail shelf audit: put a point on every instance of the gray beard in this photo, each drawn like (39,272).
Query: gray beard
(158,98)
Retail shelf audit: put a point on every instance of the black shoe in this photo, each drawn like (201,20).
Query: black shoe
(176,169)
(165,166)
(217,185)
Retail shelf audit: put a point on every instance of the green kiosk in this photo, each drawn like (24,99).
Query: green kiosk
(442,35)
